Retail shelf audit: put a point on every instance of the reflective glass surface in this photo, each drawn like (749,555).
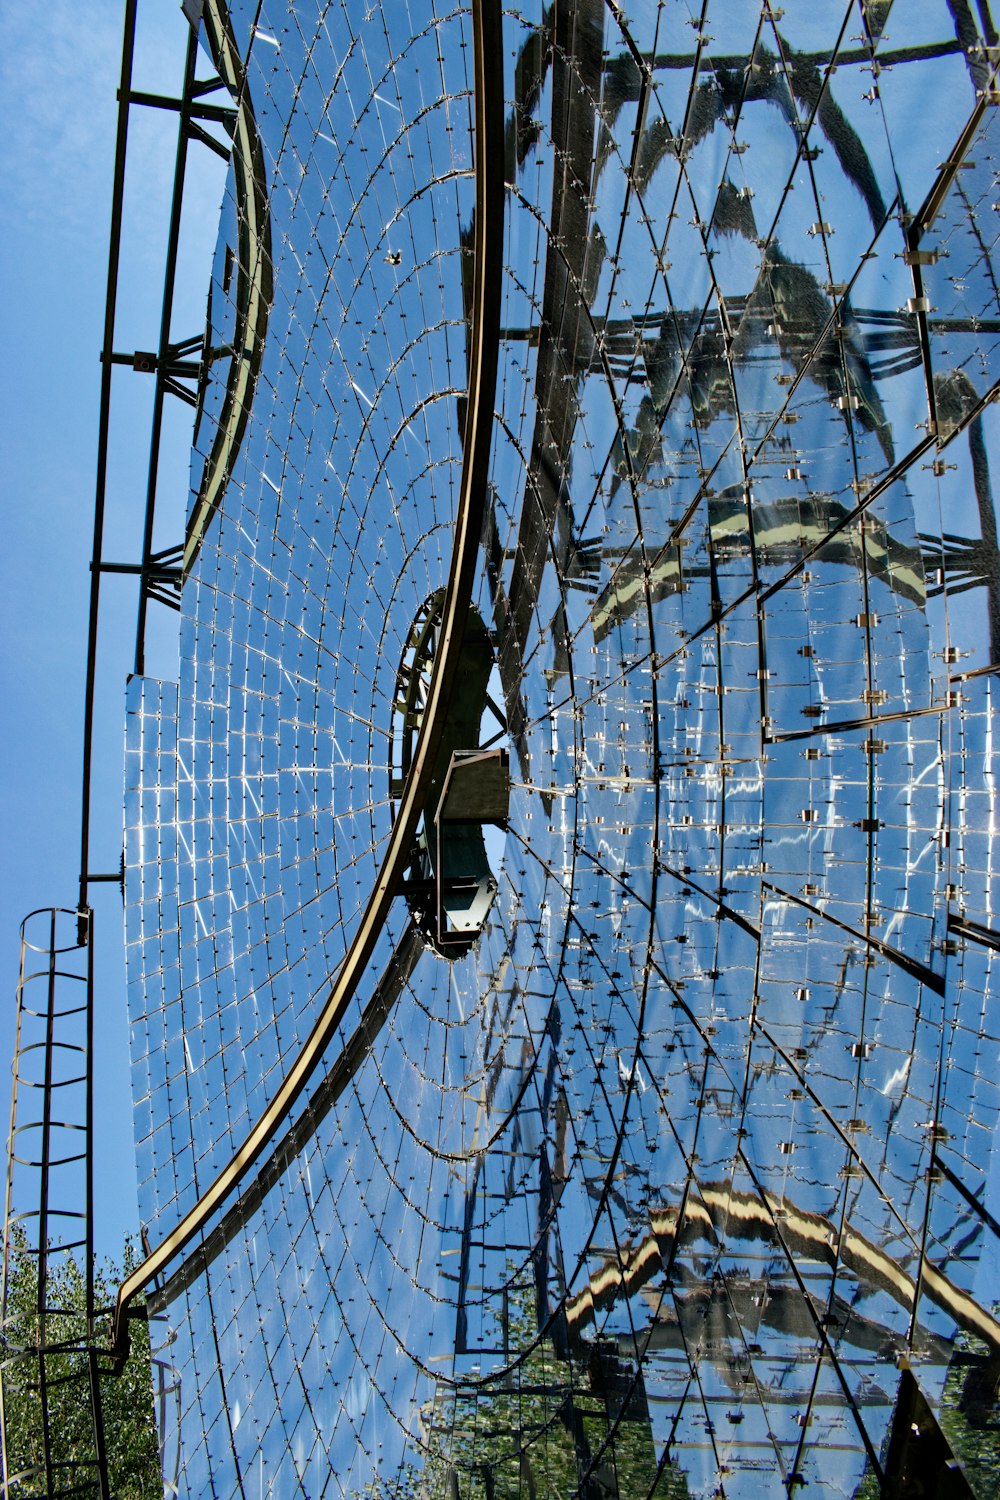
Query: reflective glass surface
(674,1180)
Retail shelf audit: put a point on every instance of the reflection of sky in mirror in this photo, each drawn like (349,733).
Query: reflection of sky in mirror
(710,1101)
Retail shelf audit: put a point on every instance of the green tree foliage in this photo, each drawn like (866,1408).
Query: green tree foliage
(550,1429)
(963,1427)
(63,1333)
(970,1415)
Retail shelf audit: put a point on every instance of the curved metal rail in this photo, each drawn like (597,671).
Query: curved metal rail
(297,1136)
(253,281)
(483,359)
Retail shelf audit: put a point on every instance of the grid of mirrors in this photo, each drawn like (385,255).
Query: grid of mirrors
(656,1160)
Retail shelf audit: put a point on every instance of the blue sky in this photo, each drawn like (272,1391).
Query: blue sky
(59,69)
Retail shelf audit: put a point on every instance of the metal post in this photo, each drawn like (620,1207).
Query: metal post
(114,254)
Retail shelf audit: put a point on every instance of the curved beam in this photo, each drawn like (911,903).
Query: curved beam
(483,359)
(323,1098)
(720,1210)
(253,281)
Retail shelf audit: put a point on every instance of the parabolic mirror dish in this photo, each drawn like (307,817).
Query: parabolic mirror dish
(670,1175)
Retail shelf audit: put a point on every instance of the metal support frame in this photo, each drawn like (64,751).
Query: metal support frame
(475,793)
(179,368)
(449,908)
(52,1355)
(169,354)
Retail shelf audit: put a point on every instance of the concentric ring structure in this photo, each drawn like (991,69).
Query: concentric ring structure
(662,344)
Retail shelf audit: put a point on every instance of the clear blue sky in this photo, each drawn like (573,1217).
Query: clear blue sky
(59,67)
